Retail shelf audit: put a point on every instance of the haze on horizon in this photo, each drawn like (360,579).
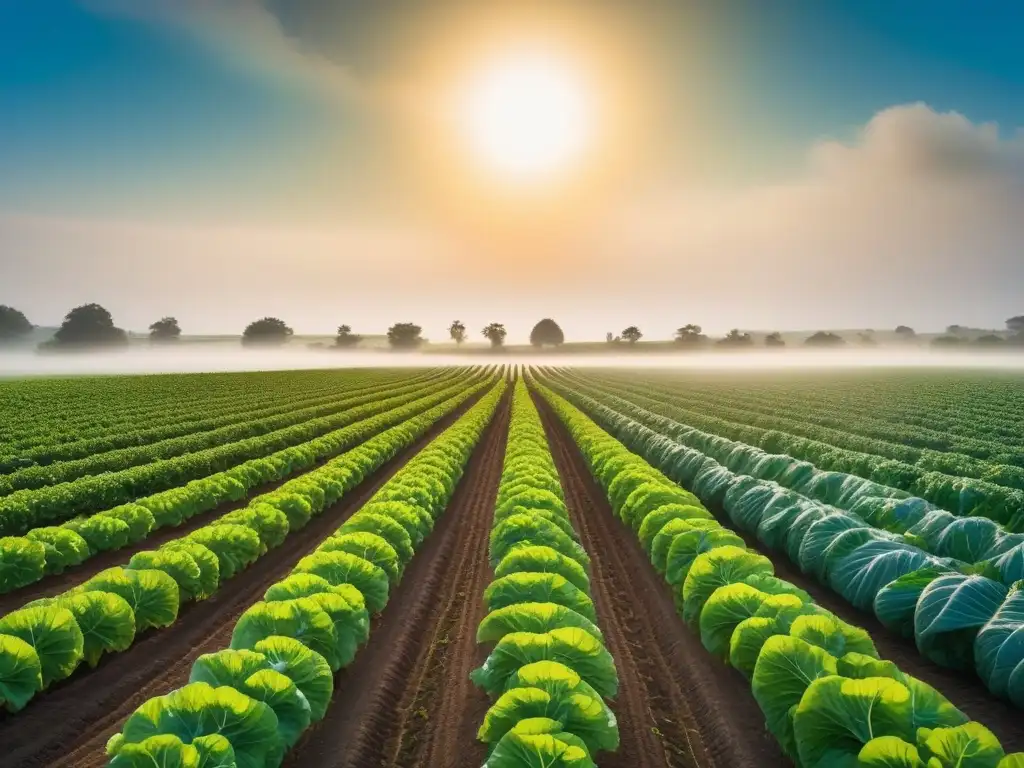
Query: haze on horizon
(811,165)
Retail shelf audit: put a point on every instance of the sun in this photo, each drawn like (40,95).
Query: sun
(527,115)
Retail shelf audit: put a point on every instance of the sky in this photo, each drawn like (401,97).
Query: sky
(787,165)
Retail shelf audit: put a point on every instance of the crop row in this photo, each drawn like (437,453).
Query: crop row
(48,639)
(24,510)
(826,696)
(1002,467)
(972,407)
(42,412)
(959,617)
(548,670)
(917,523)
(249,704)
(44,551)
(52,464)
(959,495)
(876,418)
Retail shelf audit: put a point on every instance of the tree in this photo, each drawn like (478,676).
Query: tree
(774,340)
(736,338)
(609,338)
(405,336)
(690,334)
(266,331)
(825,339)
(989,340)
(87,326)
(955,330)
(546,333)
(346,338)
(866,339)
(632,334)
(166,329)
(13,324)
(1015,324)
(495,333)
(457,331)
(905,332)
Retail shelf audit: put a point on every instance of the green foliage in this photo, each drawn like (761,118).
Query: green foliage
(266,331)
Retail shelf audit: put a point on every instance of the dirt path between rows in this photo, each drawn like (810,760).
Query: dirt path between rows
(964,689)
(407,700)
(677,705)
(70,724)
(57,583)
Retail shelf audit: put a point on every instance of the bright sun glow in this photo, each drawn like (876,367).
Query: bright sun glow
(527,116)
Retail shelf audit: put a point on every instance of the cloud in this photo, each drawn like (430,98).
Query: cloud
(920,217)
(246,35)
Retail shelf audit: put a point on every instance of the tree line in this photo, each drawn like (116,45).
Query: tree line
(91,325)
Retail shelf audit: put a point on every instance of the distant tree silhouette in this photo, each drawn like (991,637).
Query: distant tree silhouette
(866,339)
(690,334)
(609,338)
(905,331)
(546,333)
(495,333)
(955,330)
(1015,324)
(736,338)
(405,336)
(774,340)
(948,341)
(266,331)
(87,326)
(345,338)
(989,340)
(632,334)
(13,324)
(825,339)
(457,331)
(164,330)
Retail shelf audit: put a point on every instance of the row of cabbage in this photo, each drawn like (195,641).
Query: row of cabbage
(960,495)
(945,425)
(48,639)
(248,704)
(959,616)
(548,671)
(52,549)
(998,552)
(190,412)
(39,415)
(826,696)
(972,415)
(357,391)
(801,413)
(22,511)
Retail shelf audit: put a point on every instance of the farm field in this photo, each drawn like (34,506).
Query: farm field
(507,566)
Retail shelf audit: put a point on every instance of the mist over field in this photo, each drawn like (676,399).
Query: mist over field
(193,360)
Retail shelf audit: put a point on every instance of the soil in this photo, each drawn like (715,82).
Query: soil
(407,699)
(69,724)
(677,705)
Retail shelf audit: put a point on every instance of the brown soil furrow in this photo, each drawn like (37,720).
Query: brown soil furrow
(407,700)
(69,724)
(677,705)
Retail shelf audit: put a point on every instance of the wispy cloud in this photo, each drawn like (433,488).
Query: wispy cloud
(246,35)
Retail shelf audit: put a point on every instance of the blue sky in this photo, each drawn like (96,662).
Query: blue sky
(208,127)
